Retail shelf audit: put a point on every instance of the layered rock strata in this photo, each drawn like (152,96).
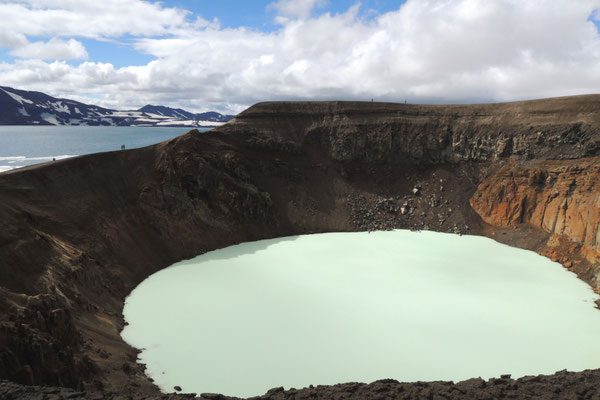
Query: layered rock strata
(559,197)
(79,234)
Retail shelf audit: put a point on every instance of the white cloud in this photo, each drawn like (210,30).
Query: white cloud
(12,39)
(426,51)
(54,49)
(90,18)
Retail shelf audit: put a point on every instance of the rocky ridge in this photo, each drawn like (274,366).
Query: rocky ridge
(80,234)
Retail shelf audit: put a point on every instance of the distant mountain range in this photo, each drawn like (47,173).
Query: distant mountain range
(20,107)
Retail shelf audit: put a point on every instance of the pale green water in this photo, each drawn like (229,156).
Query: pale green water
(341,307)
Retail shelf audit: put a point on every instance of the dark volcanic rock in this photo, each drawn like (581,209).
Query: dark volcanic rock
(560,128)
(562,385)
(79,234)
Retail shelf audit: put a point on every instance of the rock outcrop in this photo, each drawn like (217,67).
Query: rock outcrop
(561,128)
(559,197)
(79,234)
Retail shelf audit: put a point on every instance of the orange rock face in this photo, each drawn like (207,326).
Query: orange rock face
(560,197)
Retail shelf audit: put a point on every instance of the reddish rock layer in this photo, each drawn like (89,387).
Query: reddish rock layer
(560,197)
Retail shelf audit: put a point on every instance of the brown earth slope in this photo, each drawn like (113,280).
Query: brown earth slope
(79,234)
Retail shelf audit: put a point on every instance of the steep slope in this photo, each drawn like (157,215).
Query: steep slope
(80,234)
(561,198)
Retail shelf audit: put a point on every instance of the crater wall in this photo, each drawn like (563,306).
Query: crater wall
(79,234)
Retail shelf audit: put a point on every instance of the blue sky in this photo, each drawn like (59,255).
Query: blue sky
(119,53)
(226,55)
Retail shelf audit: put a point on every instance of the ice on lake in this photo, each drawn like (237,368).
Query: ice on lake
(342,307)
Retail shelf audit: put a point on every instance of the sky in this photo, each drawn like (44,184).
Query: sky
(226,55)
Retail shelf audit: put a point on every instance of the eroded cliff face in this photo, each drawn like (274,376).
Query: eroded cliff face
(79,234)
(559,197)
(561,128)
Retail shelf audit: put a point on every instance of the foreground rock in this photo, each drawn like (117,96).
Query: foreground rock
(79,234)
(562,385)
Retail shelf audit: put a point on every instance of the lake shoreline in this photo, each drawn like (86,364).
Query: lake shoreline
(102,223)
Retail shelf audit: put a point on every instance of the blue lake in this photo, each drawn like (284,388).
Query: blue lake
(27,145)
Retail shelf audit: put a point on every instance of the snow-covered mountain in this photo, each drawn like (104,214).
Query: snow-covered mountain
(20,107)
(179,113)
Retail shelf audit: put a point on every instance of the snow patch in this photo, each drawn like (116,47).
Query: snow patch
(126,114)
(50,118)
(23,112)
(210,123)
(18,98)
(157,116)
(145,120)
(177,122)
(61,108)
(109,120)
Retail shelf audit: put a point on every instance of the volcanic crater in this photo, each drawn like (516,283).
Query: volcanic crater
(79,234)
